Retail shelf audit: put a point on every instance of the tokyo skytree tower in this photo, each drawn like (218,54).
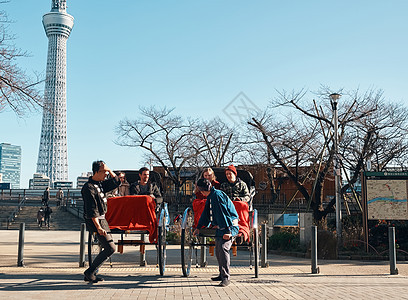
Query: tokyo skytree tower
(53,151)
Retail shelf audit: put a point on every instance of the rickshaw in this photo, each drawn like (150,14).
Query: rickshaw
(248,223)
(136,215)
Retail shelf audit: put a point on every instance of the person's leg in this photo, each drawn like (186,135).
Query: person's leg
(217,255)
(222,248)
(108,248)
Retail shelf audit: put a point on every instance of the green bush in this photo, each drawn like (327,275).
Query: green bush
(284,240)
(173,238)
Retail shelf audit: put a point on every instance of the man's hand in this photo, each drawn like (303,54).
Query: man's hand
(108,171)
(196,232)
(101,231)
(227,236)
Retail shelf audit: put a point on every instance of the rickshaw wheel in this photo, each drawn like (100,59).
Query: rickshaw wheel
(186,250)
(161,241)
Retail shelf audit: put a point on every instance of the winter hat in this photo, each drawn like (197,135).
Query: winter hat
(232,169)
(204,184)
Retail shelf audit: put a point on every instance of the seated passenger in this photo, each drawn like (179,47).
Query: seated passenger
(208,174)
(235,188)
(123,189)
(145,187)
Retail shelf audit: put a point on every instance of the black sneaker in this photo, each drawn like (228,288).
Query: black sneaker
(89,276)
(218,278)
(97,279)
(224,283)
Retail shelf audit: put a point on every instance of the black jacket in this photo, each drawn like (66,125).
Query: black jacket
(152,189)
(94,196)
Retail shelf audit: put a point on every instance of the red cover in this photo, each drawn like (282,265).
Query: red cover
(242,210)
(133,213)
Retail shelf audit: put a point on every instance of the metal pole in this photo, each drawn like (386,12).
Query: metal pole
(203,253)
(264,247)
(142,255)
(82,246)
(337,185)
(20,260)
(393,255)
(315,268)
(337,178)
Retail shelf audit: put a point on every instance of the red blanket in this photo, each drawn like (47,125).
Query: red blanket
(242,210)
(133,213)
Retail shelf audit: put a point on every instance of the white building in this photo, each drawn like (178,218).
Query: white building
(39,182)
(53,150)
(81,180)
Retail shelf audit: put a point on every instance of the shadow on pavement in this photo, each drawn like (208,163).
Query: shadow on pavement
(60,282)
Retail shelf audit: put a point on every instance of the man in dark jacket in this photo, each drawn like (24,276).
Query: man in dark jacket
(95,206)
(235,188)
(46,196)
(47,216)
(145,187)
(219,212)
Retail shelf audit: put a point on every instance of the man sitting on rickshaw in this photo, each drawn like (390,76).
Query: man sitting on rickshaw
(235,188)
(146,187)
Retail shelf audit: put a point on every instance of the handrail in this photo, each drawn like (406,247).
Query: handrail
(13,215)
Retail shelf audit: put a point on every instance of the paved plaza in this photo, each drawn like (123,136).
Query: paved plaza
(52,271)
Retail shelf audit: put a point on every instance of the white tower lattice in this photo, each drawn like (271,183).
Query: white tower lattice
(53,152)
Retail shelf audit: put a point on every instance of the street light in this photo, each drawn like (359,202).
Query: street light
(337,170)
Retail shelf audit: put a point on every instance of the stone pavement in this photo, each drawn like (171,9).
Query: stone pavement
(51,272)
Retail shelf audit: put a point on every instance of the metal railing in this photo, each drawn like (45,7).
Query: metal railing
(13,215)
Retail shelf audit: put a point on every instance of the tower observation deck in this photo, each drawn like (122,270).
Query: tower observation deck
(53,150)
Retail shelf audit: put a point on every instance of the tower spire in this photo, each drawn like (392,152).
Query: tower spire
(53,151)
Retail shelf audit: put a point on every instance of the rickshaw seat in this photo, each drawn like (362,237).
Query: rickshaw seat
(133,213)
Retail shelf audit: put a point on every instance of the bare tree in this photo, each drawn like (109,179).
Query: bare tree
(221,142)
(169,140)
(18,91)
(366,125)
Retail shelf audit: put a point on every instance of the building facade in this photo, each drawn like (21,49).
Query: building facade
(39,182)
(81,180)
(10,164)
(53,150)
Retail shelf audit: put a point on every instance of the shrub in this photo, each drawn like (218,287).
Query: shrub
(284,240)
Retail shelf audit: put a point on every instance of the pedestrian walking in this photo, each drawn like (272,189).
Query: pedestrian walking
(40,217)
(47,216)
(60,197)
(219,212)
(46,196)
(95,206)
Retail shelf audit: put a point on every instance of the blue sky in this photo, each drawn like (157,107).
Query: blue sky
(197,56)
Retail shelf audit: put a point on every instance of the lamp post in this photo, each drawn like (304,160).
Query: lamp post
(337,170)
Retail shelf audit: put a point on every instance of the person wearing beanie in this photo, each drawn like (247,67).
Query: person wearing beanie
(235,188)
(219,212)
